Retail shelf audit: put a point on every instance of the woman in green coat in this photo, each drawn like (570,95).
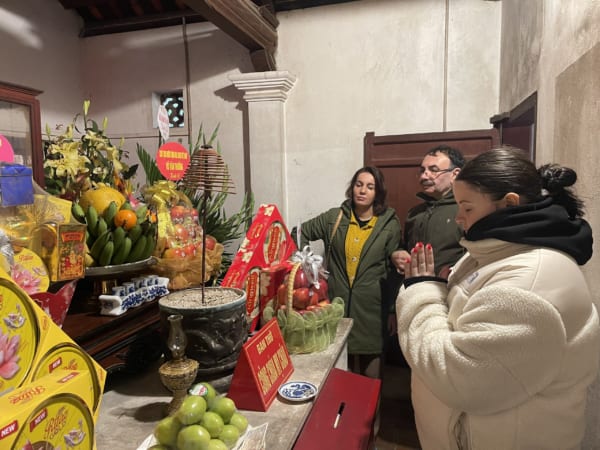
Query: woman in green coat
(359,238)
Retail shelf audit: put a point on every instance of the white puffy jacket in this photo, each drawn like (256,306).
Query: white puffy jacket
(502,355)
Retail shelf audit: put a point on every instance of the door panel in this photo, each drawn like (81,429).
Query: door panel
(399,158)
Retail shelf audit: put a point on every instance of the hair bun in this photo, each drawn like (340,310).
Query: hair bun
(555,178)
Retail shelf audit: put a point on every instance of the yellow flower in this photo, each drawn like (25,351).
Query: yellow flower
(73,165)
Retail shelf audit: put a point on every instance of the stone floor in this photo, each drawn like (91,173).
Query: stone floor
(397,427)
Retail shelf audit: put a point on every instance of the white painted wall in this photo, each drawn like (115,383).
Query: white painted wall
(552,47)
(371,65)
(129,67)
(382,66)
(40,48)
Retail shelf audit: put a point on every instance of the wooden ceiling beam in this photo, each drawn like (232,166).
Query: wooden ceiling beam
(73,4)
(244,22)
(139,23)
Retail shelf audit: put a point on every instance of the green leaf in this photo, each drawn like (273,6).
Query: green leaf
(214,135)
(197,144)
(149,165)
(130,173)
(94,126)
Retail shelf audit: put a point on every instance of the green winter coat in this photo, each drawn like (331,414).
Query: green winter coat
(372,291)
(433,221)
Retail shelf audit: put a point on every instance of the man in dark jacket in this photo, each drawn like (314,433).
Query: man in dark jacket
(433,221)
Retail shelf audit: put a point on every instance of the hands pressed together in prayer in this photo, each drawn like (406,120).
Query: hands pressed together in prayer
(418,263)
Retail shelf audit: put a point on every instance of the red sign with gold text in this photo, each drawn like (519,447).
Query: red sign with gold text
(267,243)
(263,366)
(172,160)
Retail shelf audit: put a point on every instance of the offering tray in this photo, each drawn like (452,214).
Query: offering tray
(120,269)
(100,280)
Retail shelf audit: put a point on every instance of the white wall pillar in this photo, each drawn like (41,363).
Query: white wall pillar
(266,93)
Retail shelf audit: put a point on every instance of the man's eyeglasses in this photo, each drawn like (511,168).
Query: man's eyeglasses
(434,170)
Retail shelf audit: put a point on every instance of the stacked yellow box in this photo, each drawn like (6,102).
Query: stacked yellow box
(46,379)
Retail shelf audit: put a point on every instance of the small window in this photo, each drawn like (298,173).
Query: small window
(173,101)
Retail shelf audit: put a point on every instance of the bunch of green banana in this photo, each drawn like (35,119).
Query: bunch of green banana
(111,244)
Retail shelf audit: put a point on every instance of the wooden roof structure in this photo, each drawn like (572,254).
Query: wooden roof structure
(252,23)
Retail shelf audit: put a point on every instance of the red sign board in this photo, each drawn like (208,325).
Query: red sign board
(267,243)
(263,366)
(172,160)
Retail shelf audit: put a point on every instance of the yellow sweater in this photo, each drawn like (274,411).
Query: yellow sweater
(355,239)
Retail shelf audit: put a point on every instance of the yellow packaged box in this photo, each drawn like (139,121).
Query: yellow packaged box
(62,248)
(34,346)
(52,412)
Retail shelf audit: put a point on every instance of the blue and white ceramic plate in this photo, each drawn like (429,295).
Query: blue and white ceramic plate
(297,391)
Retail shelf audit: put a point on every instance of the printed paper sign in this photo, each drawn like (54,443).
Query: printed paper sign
(172,160)
(263,366)
(163,122)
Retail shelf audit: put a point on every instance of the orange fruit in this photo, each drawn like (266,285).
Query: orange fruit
(126,219)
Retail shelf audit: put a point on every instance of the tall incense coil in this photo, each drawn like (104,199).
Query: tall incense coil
(208,173)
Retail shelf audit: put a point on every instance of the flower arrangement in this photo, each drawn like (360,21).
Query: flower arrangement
(73,164)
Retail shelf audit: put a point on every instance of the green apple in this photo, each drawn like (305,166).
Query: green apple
(217,444)
(166,431)
(206,390)
(230,435)
(225,407)
(191,410)
(158,447)
(193,437)
(239,421)
(213,423)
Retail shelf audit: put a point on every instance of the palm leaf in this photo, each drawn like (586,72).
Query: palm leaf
(149,165)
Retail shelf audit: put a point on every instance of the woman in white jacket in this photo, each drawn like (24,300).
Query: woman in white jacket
(503,352)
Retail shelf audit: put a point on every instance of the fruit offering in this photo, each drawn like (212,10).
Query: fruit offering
(307,318)
(204,421)
(117,233)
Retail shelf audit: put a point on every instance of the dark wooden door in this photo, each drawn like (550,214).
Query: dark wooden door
(399,158)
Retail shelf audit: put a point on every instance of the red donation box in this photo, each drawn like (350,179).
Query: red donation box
(343,414)
(263,366)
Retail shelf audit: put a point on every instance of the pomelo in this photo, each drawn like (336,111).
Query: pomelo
(100,198)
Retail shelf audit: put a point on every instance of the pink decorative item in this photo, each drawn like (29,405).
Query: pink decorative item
(6,151)
(56,305)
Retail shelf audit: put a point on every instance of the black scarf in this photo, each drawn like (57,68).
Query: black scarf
(542,224)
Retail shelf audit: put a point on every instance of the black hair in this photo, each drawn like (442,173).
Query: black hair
(508,169)
(379,204)
(556,181)
(454,155)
